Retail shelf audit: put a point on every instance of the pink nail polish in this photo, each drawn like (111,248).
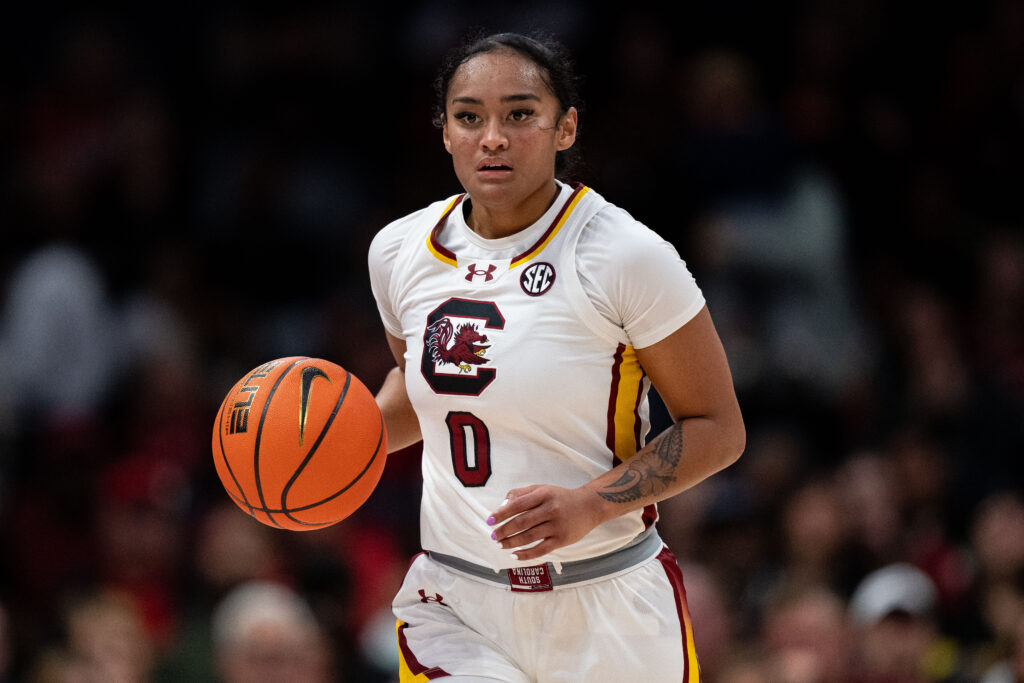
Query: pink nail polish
(490,520)
(494,535)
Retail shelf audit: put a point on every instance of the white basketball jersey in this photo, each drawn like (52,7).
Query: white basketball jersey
(516,377)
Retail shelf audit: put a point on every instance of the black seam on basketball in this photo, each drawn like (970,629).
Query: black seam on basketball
(259,434)
(286,511)
(278,512)
(380,441)
(224,455)
(314,447)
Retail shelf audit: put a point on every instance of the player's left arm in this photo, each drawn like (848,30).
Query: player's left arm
(691,373)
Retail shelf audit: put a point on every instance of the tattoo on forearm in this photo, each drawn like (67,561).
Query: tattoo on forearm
(646,475)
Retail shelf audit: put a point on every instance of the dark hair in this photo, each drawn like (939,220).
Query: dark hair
(548,54)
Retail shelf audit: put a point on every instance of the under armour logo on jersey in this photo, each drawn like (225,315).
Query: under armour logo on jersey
(436,597)
(486,273)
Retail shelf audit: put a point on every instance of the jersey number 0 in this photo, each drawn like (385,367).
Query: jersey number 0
(471,448)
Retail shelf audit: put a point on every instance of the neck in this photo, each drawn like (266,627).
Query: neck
(492,221)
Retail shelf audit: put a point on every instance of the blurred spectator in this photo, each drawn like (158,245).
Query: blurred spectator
(870,494)
(997,536)
(1010,669)
(58,342)
(230,549)
(770,237)
(892,612)
(57,665)
(715,637)
(812,547)
(104,640)
(140,534)
(1001,602)
(106,632)
(806,638)
(997,320)
(745,668)
(814,533)
(266,632)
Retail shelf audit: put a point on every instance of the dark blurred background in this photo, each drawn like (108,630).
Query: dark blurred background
(189,191)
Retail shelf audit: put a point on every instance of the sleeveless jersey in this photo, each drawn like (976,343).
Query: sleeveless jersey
(514,374)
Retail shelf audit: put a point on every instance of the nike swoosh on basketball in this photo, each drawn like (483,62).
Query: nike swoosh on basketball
(309,374)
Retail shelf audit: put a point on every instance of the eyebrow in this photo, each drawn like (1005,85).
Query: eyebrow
(507,98)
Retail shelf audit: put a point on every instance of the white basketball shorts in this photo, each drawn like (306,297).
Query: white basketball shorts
(629,626)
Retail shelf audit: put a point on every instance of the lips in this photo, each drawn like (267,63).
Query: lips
(493,164)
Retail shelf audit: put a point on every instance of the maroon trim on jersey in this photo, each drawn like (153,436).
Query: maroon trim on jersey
(636,411)
(612,396)
(650,515)
(415,668)
(675,577)
(435,234)
(577,188)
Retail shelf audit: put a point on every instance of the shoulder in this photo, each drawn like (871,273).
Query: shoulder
(615,233)
(635,277)
(389,239)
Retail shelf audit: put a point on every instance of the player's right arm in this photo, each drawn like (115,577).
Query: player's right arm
(399,417)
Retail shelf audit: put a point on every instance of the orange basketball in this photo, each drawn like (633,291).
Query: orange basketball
(299,443)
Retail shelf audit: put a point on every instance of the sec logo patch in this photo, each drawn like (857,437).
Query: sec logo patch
(537,279)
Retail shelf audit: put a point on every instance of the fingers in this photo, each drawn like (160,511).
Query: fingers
(516,502)
(536,520)
(533,543)
(527,537)
(539,550)
(514,528)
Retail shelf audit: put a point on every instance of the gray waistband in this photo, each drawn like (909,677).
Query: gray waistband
(642,547)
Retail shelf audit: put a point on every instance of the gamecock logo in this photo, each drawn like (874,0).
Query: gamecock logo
(454,346)
(465,351)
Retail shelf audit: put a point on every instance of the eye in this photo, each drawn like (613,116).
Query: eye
(521,114)
(467,117)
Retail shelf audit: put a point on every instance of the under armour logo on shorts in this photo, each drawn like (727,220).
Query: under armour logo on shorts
(436,597)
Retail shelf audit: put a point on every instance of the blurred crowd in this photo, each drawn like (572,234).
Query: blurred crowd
(186,194)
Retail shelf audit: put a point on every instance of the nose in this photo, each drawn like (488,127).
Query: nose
(494,137)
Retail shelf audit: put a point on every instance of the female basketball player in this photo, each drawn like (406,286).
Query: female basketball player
(528,318)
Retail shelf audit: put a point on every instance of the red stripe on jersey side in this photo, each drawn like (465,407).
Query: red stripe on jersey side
(415,668)
(650,512)
(578,187)
(612,401)
(691,667)
(650,515)
(435,242)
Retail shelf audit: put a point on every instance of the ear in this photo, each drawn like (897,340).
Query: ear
(444,136)
(567,129)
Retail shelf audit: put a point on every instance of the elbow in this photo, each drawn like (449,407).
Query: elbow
(733,442)
(738,444)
